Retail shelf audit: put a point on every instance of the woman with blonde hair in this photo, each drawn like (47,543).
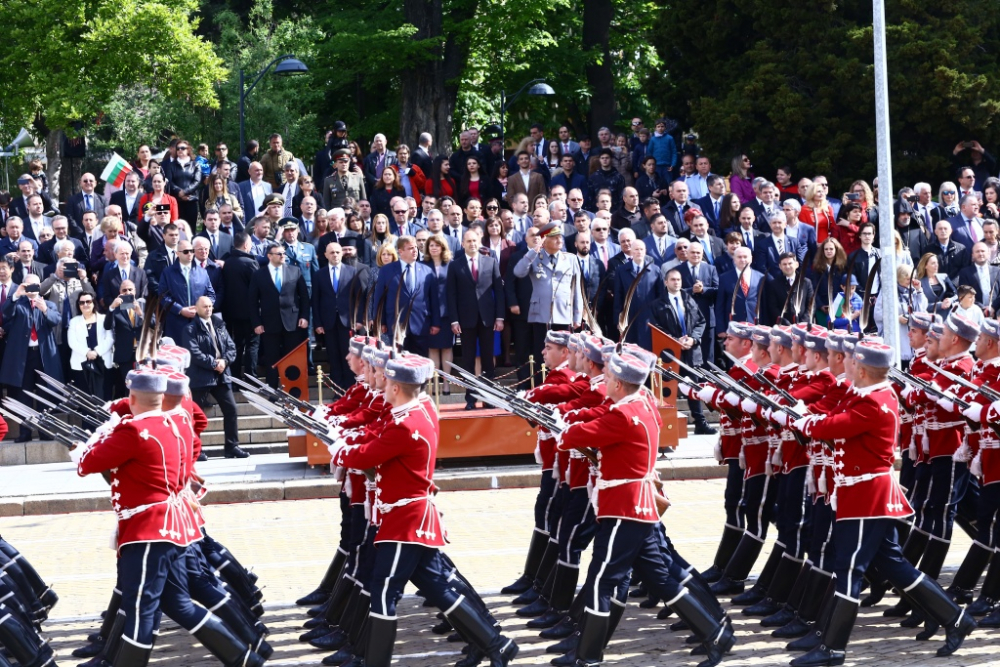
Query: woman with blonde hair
(910,299)
(440,344)
(386,254)
(217,195)
(380,235)
(936,286)
(741,178)
(816,211)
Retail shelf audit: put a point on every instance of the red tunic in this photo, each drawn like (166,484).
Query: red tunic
(370,409)
(403,456)
(820,456)
(352,399)
(809,388)
(863,430)
(945,430)
(145,456)
(588,405)
(561,385)
(984,443)
(626,438)
(918,437)
(730,419)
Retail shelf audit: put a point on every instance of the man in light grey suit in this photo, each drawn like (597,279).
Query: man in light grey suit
(555,296)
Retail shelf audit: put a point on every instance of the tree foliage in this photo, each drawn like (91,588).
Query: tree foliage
(65,59)
(792,81)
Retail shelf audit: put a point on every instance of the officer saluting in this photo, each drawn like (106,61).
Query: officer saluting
(146,462)
(868,502)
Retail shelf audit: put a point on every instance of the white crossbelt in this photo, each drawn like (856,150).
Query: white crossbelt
(385,508)
(843,480)
(129,512)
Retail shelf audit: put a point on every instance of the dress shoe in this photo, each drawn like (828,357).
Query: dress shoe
(565,646)
(470,406)
(202,456)
(23,438)
(236,452)
(525,598)
(712,574)
(522,584)
(342,656)
(704,429)
(314,622)
(317,597)
(778,619)
(567,660)
(331,641)
(765,607)
(726,586)
(536,608)
(321,630)
(564,628)
(980,607)
(793,629)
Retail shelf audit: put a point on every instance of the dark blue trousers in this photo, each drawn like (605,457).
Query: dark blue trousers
(794,512)
(917,494)
(546,489)
(863,542)
(948,482)
(153,576)
(619,547)
(759,493)
(345,521)
(395,564)
(555,509)
(577,526)
(203,585)
(733,493)
(988,515)
(821,543)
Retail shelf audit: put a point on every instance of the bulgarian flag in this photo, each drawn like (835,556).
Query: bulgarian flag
(116,171)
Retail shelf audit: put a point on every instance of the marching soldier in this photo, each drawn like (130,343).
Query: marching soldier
(626,438)
(410,532)
(868,502)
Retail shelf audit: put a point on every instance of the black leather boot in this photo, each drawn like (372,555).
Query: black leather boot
(328,582)
(758,591)
(478,630)
(814,637)
(731,536)
(964,583)
(130,655)
(785,576)
(564,580)
(833,648)
(23,644)
(939,607)
(244,627)
(990,592)
(539,540)
(224,645)
(110,615)
(817,582)
(381,640)
(717,636)
(593,637)
(732,581)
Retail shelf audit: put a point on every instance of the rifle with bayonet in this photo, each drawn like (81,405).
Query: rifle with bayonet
(277,396)
(762,378)
(531,412)
(291,417)
(44,421)
(723,382)
(959,380)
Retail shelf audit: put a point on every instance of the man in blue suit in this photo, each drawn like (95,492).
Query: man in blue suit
(650,289)
(711,204)
(767,253)
(967,226)
(181,285)
(745,307)
(337,300)
(419,296)
(802,232)
(659,243)
(29,323)
(252,192)
(702,280)
(569,178)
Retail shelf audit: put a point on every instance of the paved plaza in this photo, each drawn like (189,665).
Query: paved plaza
(289,543)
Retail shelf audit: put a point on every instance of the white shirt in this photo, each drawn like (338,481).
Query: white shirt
(526,177)
(257,192)
(984,280)
(130,201)
(780,243)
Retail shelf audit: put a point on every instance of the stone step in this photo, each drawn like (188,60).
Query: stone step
(256,437)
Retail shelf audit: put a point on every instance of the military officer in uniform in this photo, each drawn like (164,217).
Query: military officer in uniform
(868,501)
(554,274)
(343,183)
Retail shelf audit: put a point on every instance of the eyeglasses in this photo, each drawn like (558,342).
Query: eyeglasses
(636,123)
(277,254)
(402,212)
(183,148)
(84,302)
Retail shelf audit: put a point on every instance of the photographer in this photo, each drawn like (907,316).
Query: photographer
(124,321)
(62,288)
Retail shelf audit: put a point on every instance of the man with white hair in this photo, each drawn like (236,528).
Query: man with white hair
(122,270)
(377,161)
(924,208)
(290,186)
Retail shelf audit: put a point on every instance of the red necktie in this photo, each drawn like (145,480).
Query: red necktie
(745,284)
(34,332)
(475,271)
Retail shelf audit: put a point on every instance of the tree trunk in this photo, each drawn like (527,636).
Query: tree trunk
(597,17)
(53,156)
(430,88)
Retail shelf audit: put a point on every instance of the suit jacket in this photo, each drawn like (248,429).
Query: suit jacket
(223,248)
(762,222)
(156,262)
(46,251)
(335,194)
(675,216)
(653,250)
(370,165)
(75,209)
(237,274)
(775,293)
(517,291)
(173,289)
(125,333)
(7,246)
(131,214)
(278,312)
(29,230)
(425,312)
(970,276)
(805,234)
(205,351)
(745,308)
(555,297)
(765,255)
(472,302)
(214,272)
(515,186)
(959,231)
(708,208)
(756,236)
(716,245)
(592,277)
(352,239)
(707,297)
(422,159)
(19,206)
(111,283)
(346,303)
(18,317)
(246,196)
(650,289)
(664,316)
(952,259)
(569,182)
(949,292)
(36,268)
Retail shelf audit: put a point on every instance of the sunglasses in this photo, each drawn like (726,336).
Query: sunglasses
(948,192)
(185,252)
(492,208)
(183,148)
(83,302)
(400,212)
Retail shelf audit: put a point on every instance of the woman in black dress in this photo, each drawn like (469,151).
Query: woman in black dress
(440,345)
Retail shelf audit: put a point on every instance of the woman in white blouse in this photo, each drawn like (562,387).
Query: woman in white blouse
(89,341)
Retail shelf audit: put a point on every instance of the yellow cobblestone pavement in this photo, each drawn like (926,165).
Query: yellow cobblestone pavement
(288,544)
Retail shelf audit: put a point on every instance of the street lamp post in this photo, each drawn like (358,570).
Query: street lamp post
(288,65)
(534,87)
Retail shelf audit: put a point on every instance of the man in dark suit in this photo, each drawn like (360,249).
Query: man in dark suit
(418,289)
(767,252)
(123,270)
(591,269)
(475,306)
(568,178)
(802,232)
(85,200)
(25,312)
(26,263)
(124,321)
(952,256)
(19,204)
(350,242)
(279,309)
(967,226)
(237,274)
(863,259)
(700,233)
(517,296)
(220,243)
(60,227)
(165,255)
(677,207)
(702,279)
(773,309)
(711,204)
(181,285)
(744,283)
(421,155)
(212,353)
(128,199)
(650,288)
(212,268)
(765,205)
(677,314)
(983,276)
(337,300)
(15,234)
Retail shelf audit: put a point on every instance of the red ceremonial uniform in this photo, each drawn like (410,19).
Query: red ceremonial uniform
(589,405)
(403,456)
(352,399)
(145,457)
(561,385)
(984,443)
(863,430)
(820,456)
(918,437)
(370,409)
(626,438)
(945,430)
(730,419)
(360,489)
(756,443)
(810,388)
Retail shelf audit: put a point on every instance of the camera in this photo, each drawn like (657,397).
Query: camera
(127,299)
(31,289)
(913,199)
(853,196)
(71,268)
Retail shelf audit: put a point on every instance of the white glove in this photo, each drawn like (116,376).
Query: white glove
(76,454)
(705,394)
(994,407)
(559,425)
(718,452)
(748,406)
(522,393)
(335,448)
(685,389)
(780,418)
(731,398)
(801,424)
(766,413)
(946,405)
(800,409)
(320,412)
(906,392)
(334,432)
(976,467)
(974,413)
